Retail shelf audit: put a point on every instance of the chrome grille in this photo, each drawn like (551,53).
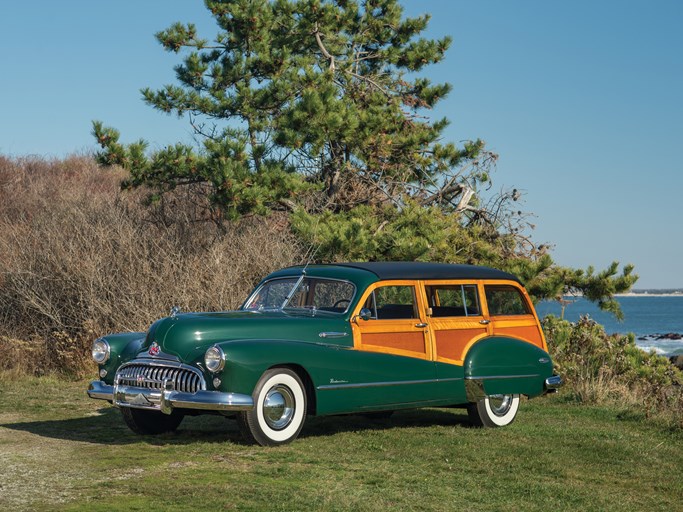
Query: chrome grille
(152,376)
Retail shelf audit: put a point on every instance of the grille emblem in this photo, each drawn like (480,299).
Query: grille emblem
(154,349)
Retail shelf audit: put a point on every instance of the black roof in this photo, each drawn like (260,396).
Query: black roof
(422,270)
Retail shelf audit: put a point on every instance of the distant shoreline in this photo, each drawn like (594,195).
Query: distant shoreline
(668,292)
(650,294)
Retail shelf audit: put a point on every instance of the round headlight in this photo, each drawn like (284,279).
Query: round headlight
(214,359)
(100,351)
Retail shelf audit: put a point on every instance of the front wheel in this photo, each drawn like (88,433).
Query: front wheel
(150,422)
(494,410)
(279,409)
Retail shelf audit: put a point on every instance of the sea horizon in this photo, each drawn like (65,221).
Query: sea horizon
(647,316)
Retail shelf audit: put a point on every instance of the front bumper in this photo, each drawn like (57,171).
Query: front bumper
(167,399)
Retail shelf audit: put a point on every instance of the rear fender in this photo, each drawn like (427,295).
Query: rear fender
(503,365)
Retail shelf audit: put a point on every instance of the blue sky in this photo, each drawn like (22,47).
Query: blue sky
(582,100)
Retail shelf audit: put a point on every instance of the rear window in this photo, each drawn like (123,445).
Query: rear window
(505,300)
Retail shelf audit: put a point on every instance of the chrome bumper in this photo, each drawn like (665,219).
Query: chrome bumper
(552,384)
(165,400)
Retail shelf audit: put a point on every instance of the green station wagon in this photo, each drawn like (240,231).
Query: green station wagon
(335,339)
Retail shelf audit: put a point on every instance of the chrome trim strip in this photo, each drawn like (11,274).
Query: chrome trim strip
(356,385)
(153,361)
(167,399)
(493,377)
(333,334)
(384,407)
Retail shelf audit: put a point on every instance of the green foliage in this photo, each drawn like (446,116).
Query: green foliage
(410,233)
(317,86)
(598,287)
(601,367)
(223,168)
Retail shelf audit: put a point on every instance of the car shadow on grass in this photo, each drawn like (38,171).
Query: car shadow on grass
(106,427)
(413,418)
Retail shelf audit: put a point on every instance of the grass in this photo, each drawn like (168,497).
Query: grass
(60,450)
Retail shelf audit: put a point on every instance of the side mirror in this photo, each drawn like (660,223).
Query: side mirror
(365,314)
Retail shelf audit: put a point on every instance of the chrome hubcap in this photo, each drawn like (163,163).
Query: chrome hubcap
(500,404)
(278,407)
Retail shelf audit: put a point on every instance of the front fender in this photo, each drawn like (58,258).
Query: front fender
(503,365)
(123,347)
(246,360)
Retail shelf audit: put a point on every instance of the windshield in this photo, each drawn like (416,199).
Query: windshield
(302,292)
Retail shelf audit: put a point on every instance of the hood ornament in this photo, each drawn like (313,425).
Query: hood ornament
(154,349)
(174,311)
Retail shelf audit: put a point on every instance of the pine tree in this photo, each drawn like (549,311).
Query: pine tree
(318,108)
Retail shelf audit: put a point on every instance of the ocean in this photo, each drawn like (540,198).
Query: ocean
(647,316)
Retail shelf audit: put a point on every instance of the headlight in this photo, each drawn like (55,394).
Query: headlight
(100,351)
(214,359)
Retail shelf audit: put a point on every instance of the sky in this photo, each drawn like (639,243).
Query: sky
(582,100)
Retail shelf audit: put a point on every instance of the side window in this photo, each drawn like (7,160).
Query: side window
(392,303)
(454,300)
(333,295)
(505,300)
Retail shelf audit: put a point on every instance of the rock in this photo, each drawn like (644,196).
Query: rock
(677,361)
(670,336)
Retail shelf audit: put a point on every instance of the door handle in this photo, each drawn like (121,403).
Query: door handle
(421,325)
(484,322)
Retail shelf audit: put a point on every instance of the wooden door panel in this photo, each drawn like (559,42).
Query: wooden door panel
(404,341)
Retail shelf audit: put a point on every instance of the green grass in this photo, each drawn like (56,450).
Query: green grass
(60,450)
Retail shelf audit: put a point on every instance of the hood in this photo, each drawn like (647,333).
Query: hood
(188,335)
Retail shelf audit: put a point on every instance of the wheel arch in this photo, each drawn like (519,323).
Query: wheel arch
(505,365)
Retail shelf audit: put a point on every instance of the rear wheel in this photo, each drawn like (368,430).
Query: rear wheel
(150,422)
(494,410)
(279,409)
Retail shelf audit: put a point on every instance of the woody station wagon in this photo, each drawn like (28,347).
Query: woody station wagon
(335,339)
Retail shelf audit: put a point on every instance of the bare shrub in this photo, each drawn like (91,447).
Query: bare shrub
(79,258)
(611,369)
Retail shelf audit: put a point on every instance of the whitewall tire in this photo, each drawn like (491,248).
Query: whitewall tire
(279,409)
(494,410)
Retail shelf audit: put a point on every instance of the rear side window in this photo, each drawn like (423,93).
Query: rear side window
(453,300)
(505,300)
(392,303)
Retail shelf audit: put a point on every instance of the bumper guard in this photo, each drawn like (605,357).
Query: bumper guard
(552,384)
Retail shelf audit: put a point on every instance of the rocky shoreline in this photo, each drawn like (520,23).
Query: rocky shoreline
(676,360)
(673,336)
